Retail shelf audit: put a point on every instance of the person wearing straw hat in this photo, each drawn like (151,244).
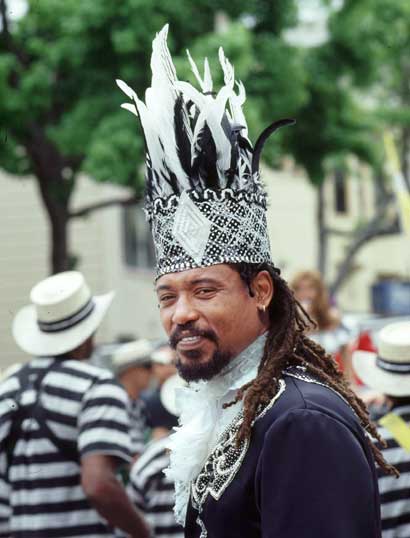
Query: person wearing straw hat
(132,366)
(5,511)
(271,442)
(387,372)
(163,367)
(64,423)
(149,488)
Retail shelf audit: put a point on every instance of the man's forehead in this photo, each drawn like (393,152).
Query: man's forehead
(185,278)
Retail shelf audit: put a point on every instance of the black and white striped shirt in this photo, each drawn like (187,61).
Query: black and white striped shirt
(4,499)
(395,492)
(153,493)
(84,404)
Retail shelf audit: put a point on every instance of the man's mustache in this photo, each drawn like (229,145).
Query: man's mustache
(181,333)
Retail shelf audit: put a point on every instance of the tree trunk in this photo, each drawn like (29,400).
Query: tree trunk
(379,226)
(57,213)
(322,233)
(59,259)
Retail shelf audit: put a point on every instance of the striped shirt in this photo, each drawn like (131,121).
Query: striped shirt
(138,429)
(395,492)
(84,405)
(153,493)
(4,499)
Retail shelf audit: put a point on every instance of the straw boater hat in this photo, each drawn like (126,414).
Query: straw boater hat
(62,316)
(388,370)
(137,353)
(163,355)
(168,393)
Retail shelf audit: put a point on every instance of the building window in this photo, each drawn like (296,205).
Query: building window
(340,190)
(138,247)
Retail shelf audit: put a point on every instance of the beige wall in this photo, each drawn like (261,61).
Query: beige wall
(96,240)
(291,220)
(292,225)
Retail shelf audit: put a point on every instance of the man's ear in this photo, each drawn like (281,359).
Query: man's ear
(263,289)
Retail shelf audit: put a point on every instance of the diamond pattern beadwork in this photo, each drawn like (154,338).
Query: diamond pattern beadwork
(191,228)
(225,460)
(234,225)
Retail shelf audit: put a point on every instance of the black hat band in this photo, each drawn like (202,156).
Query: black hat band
(69,321)
(393,367)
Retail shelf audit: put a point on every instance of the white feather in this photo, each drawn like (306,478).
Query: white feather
(191,94)
(207,76)
(212,114)
(129,92)
(153,143)
(206,82)
(227,68)
(131,108)
(160,99)
(236,101)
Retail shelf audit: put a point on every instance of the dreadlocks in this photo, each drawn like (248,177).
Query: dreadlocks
(287,345)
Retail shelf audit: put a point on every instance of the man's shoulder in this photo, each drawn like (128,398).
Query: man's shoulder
(305,393)
(86,370)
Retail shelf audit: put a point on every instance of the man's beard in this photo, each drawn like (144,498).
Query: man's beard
(195,370)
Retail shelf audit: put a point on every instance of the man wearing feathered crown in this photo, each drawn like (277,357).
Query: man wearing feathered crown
(271,440)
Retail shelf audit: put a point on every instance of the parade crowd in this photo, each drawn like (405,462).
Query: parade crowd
(84,448)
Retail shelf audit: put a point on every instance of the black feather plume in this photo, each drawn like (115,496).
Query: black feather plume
(257,150)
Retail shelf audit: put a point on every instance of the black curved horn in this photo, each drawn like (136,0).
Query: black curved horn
(257,150)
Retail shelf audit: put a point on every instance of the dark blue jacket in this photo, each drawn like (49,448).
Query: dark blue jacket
(308,473)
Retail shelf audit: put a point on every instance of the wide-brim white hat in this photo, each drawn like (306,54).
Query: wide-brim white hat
(163,355)
(42,328)
(168,393)
(388,370)
(136,353)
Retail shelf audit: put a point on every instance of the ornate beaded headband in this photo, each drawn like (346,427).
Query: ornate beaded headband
(204,199)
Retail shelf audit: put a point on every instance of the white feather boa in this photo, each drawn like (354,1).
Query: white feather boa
(202,421)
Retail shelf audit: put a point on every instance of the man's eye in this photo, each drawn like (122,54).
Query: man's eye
(165,298)
(205,291)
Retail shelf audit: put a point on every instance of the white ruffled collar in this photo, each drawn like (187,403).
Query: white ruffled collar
(200,407)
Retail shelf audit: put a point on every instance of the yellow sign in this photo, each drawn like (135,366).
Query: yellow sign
(404,202)
(398,428)
(391,153)
(402,193)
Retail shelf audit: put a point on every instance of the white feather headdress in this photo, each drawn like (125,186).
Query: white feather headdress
(204,200)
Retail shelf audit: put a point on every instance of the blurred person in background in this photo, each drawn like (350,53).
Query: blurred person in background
(149,488)
(387,372)
(132,366)
(330,332)
(163,367)
(64,423)
(5,510)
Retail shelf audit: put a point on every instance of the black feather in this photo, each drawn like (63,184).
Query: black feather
(181,136)
(233,168)
(257,150)
(204,166)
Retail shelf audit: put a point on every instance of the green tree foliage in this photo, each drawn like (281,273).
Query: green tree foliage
(371,44)
(59,106)
(360,85)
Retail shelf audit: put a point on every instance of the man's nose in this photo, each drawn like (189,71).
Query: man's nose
(184,312)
